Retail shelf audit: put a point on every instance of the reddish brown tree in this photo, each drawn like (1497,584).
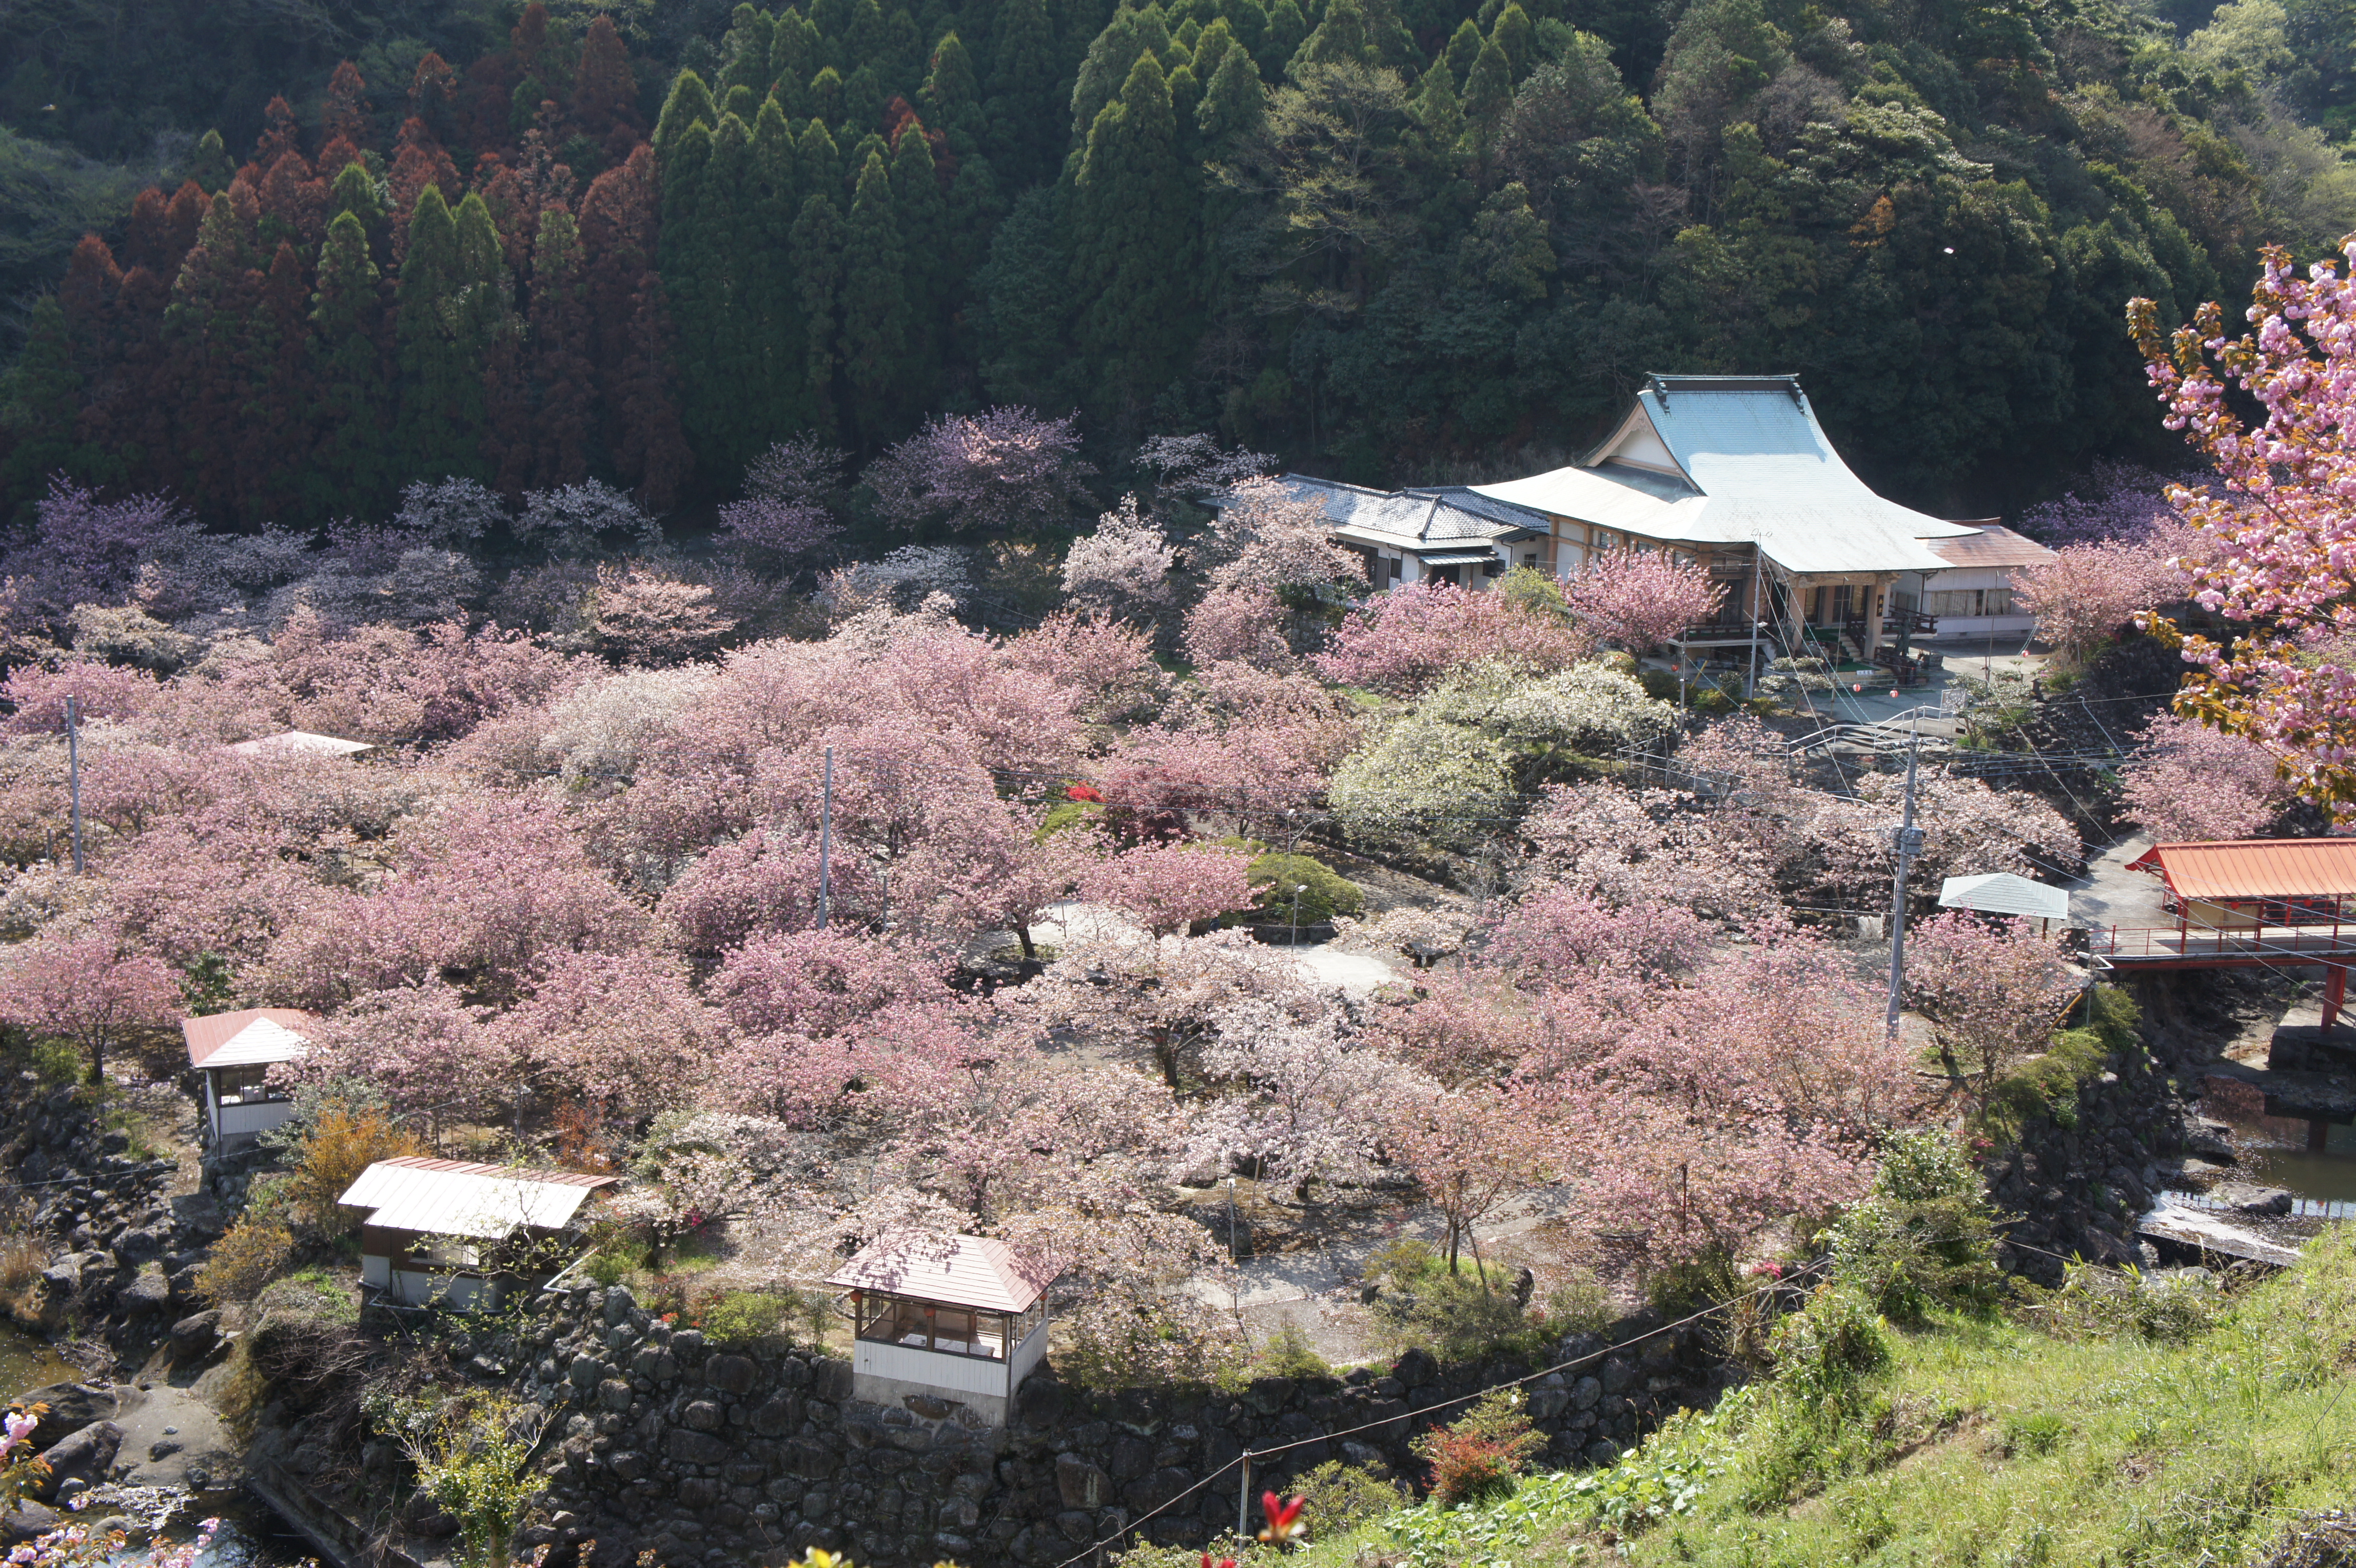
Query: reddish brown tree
(280,135)
(345,117)
(632,352)
(293,202)
(605,94)
(418,161)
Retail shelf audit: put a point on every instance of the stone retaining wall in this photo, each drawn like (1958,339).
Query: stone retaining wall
(662,1440)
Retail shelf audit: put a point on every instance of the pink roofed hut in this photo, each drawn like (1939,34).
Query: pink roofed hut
(234,1051)
(943,1321)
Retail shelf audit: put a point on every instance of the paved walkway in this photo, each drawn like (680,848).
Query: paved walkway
(2111,895)
(1354,974)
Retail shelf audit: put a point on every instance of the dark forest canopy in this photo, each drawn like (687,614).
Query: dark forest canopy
(1390,239)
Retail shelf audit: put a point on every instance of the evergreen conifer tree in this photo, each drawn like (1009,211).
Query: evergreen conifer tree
(561,372)
(745,52)
(1022,133)
(816,249)
(1233,103)
(349,472)
(1340,38)
(1514,35)
(1463,48)
(951,98)
(821,163)
(689,103)
(793,60)
(874,305)
(923,215)
(441,385)
(1488,93)
(1133,242)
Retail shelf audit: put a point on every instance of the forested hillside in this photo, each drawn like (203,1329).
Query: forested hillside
(1388,239)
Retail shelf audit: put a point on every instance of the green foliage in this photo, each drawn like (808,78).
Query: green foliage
(1328,893)
(1924,1235)
(2046,1088)
(2173,1308)
(472,1458)
(1341,1497)
(741,1316)
(1472,1314)
(1287,1353)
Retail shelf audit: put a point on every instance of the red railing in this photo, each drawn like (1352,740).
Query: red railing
(2218,941)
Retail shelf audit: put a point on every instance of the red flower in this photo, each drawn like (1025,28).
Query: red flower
(1284,1521)
(1085,792)
(1222,1562)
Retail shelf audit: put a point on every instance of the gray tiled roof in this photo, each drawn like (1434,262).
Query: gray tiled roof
(1415,517)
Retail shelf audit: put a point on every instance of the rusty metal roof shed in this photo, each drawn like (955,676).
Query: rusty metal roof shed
(2240,870)
(457,1198)
(952,1271)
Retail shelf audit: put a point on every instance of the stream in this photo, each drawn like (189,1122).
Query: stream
(251,1535)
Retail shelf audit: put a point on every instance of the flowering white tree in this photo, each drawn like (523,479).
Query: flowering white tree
(1004,468)
(1124,565)
(787,488)
(1303,1102)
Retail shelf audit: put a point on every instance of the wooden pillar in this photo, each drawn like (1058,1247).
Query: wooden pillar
(2317,1132)
(1873,592)
(2335,993)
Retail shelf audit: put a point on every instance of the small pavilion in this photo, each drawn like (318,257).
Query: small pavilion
(2248,903)
(943,1321)
(2002,892)
(234,1051)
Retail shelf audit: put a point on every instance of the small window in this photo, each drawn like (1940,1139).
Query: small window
(1530,558)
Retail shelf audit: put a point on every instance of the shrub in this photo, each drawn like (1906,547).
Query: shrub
(1827,1347)
(743,1316)
(1329,893)
(1481,1453)
(1579,1305)
(335,1134)
(244,1260)
(1340,1497)
(1289,1354)
(1924,1234)
(2096,1303)
(1462,1316)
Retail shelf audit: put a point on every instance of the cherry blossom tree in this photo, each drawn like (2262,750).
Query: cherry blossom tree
(2120,500)
(101,691)
(1108,663)
(816,983)
(425,1045)
(2089,593)
(2274,543)
(1470,1151)
(1244,623)
(1159,1000)
(1301,1100)
(624,1031)
(87,989)
(2188,783)
(1124,565)
(1459,1029)
(785,507)
(1007,467)
(641,617)
(1268,537)
(1404,641)
(765,882)
(1994,991)
(1167,889)
(1637,598)
(1552,933)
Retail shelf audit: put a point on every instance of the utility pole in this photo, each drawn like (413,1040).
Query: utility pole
(826,839)
(73,773)
(1908,844)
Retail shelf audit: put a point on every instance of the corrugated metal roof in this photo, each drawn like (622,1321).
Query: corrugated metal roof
(953,1271)
(300,742)
(454,1197)
(208,1036)
(1993,545)
(2002,892)
(2239,869)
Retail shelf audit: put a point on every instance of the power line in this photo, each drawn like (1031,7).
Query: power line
(1248,1455)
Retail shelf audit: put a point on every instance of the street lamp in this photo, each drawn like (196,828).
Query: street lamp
(1298,889)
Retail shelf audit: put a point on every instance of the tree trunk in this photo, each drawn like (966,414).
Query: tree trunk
(1023,935)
